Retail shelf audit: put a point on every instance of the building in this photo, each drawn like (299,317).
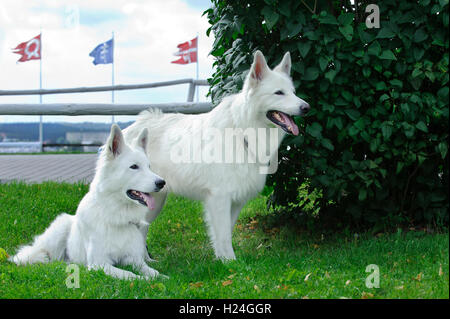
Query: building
(87,137)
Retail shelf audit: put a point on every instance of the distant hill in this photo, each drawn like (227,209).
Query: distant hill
(53,132)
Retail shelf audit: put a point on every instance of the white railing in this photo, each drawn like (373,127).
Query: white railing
(100,108)
(192,85)
(188,107)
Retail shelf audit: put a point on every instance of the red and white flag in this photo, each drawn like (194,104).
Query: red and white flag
(30,50)
(187,52)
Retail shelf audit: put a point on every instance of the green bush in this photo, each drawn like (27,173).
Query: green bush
(375,144)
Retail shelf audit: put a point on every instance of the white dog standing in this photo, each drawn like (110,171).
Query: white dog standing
(267,101)
(111,218)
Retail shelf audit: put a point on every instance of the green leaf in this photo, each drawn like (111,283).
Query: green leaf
(430,75)
(346,18)
(312,35)
(338,123)
(353,131)
(328,107)
(443,148)
(386,130)
(270,16)
(357,101)
(323,63)
(443,92)
(380,86)
(422,126)
(311,74)
(347,95)
(353,114)
(327,144)
(330,75)
(340,102)
(290,30)
(328,19)
(284,8)
(347,32)
(362,194)
(400,68)
(299,67)
(387,55)
(408,129)
(360,124)
(418,53)
(366,72)
(383,98)
(399,167)
(304,48)
(374,144)
(366,136)
(378,67)
(314,130)
(358,53)
(396,83)
(385,33)
(374,48)
(416,73)
(420,35)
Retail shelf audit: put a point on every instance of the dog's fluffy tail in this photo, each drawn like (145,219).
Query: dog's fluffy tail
(51,245)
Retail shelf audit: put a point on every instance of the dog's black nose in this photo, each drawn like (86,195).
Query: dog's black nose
(160,183)
(304,108)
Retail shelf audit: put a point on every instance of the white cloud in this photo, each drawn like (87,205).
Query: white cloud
(146,36)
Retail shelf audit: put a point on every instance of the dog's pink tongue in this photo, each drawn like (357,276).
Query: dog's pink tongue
(150,201)
(290,123)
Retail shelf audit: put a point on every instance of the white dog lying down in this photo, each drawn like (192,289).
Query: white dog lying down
(112,217)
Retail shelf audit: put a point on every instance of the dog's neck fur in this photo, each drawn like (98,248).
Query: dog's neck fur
(242,115)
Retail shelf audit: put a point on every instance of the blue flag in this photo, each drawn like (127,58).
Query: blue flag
(103,53)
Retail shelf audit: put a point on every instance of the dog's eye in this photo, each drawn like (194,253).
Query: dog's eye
(279,92)
(134,166)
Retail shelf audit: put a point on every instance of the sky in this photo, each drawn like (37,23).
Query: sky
(146,35)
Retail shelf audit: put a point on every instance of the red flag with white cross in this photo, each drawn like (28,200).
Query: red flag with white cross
(30,50)
(187,51)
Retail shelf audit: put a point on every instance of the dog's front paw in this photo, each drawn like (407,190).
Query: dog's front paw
(226,256)
(150,273)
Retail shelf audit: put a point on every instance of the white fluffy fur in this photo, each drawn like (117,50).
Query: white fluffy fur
(223,188)
(108,227)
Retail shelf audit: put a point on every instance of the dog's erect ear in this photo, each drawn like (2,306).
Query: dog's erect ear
(142,139)
(285,64)
(258,70)
(115,142)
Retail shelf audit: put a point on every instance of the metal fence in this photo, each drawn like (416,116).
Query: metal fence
(188,107)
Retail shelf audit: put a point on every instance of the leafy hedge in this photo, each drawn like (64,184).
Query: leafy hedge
(374,147)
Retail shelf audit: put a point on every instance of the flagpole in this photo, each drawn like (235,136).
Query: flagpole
(41,131)
(196,87)
(112,76)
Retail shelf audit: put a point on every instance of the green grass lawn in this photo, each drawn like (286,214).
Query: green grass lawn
(273,261)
